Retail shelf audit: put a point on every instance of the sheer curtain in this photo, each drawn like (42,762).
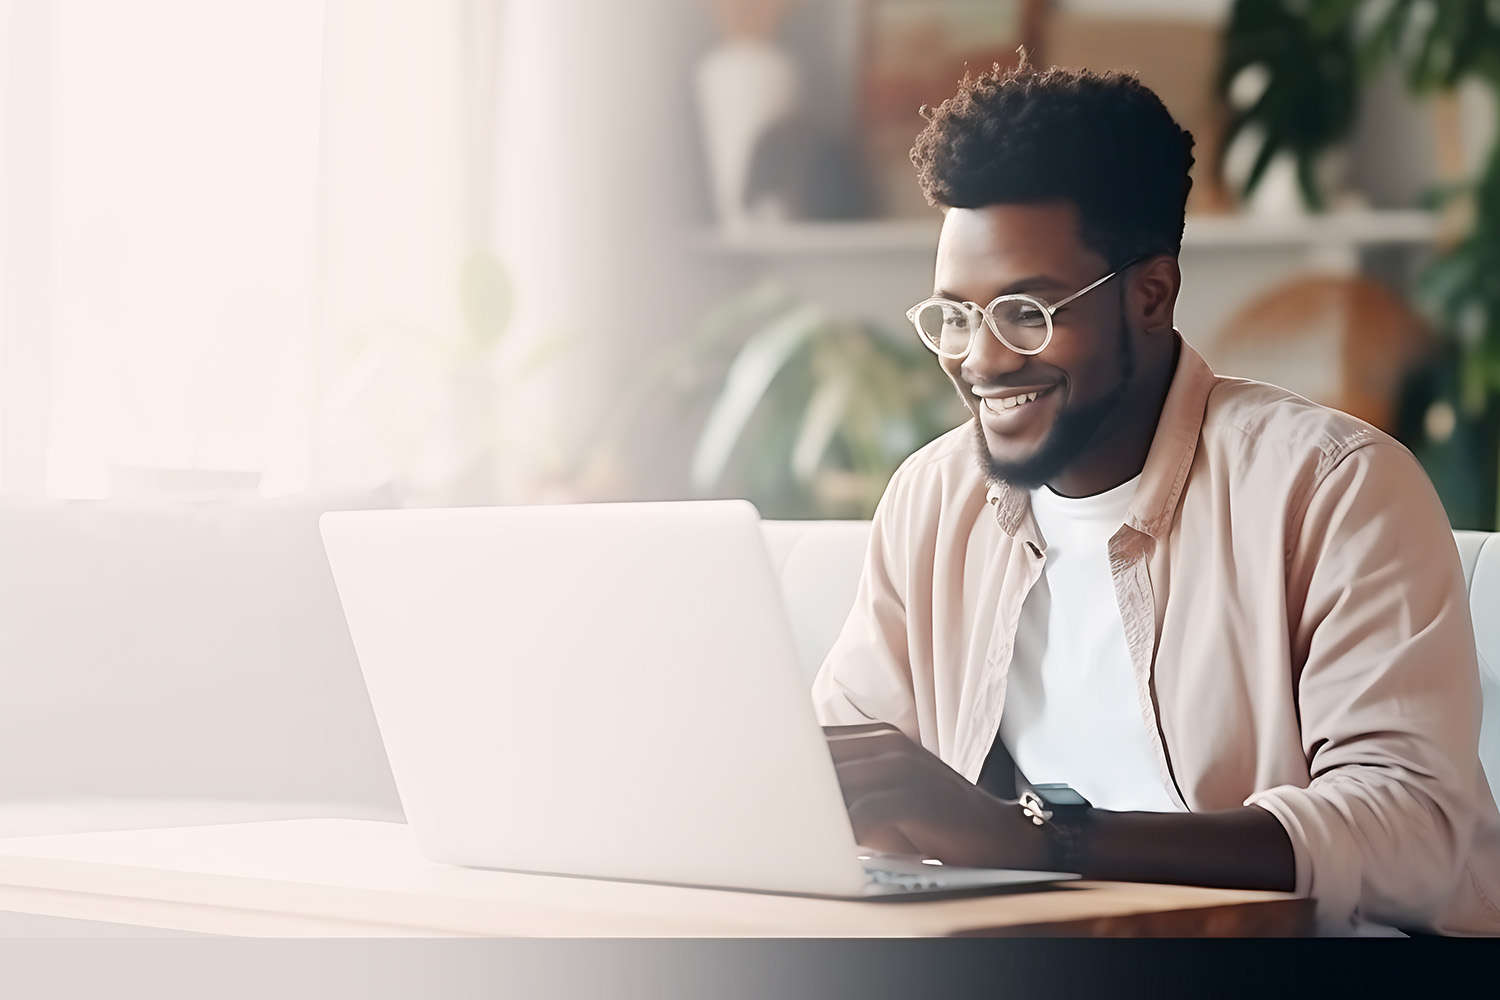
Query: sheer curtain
(25,258)
(161,166)
(410,301)
(327,244)
(545,139)
(597,176)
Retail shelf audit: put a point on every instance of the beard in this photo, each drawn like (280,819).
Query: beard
(1074,430)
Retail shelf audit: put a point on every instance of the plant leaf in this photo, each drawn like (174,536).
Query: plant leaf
(820,422)
(750,374)
(487,297)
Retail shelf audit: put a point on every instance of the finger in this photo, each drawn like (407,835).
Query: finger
(883,821)
(887,840)
(888,772)
(859,729)
(884,741)
(905,763)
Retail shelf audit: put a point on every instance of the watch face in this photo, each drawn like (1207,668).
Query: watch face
(1060,797)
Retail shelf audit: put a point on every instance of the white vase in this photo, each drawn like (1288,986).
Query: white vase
(744,87)
(1278,195)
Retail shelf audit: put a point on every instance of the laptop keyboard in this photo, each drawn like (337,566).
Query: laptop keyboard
(902,879)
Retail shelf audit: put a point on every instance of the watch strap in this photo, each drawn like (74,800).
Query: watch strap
(1062,823)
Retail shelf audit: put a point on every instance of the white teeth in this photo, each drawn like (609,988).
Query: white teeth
(1011,402)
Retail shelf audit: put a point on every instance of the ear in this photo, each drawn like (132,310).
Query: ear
(1154,284)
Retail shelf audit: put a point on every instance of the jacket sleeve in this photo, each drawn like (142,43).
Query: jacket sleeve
(1388,696)
(866,676)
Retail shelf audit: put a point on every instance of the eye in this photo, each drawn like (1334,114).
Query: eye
(1020,313)
(1027,314)
(943,323)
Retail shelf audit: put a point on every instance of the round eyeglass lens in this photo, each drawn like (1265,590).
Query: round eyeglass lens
(946,326)
(1022,321)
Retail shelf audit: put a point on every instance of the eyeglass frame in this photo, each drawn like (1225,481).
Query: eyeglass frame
(1048,310)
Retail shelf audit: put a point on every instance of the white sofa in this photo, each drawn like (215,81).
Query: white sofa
(177,665)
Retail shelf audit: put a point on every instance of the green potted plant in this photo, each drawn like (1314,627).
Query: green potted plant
(1313,56)
(805,412)
(1300,61)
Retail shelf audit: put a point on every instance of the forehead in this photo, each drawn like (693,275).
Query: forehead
(982,250)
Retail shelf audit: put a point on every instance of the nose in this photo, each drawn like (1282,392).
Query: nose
(989,358)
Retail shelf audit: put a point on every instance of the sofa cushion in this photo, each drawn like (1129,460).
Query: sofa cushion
(818,564)
(181,652)
(1469,543)
(1484,602)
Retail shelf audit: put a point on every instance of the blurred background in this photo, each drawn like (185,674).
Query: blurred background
(515,251)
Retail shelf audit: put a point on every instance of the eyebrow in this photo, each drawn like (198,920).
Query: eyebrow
(1034,283)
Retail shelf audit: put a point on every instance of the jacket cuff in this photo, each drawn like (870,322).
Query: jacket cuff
(1327,858)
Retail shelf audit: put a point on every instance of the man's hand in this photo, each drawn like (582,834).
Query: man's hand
(904,800)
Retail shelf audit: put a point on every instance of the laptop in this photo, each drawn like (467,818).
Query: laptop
(605,690)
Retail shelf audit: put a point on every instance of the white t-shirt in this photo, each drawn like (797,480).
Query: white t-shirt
(1072,714)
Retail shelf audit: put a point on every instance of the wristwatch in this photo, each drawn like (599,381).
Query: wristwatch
(1062,814)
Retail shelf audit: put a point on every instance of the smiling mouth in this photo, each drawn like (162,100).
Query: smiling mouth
(1002,404)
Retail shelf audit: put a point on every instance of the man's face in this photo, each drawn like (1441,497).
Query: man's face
(1083,375)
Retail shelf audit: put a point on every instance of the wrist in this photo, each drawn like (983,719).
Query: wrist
(1038,850)
(1063,817)
(1066,836)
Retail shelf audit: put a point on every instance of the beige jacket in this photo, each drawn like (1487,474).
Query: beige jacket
(1295,611)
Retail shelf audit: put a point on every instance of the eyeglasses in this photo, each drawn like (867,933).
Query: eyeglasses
(1022,323)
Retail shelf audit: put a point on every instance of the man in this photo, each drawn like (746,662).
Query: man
(1231,619)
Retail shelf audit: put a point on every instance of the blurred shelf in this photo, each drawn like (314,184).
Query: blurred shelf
(872,236)
(1353,228)
(1334,229)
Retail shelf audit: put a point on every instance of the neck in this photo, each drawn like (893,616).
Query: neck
(1119,455)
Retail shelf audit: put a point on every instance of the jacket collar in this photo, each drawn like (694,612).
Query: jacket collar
(1167,463)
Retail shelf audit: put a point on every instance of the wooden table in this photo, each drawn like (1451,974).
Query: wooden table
(355,878)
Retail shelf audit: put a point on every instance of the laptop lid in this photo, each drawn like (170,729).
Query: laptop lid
(607,690)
